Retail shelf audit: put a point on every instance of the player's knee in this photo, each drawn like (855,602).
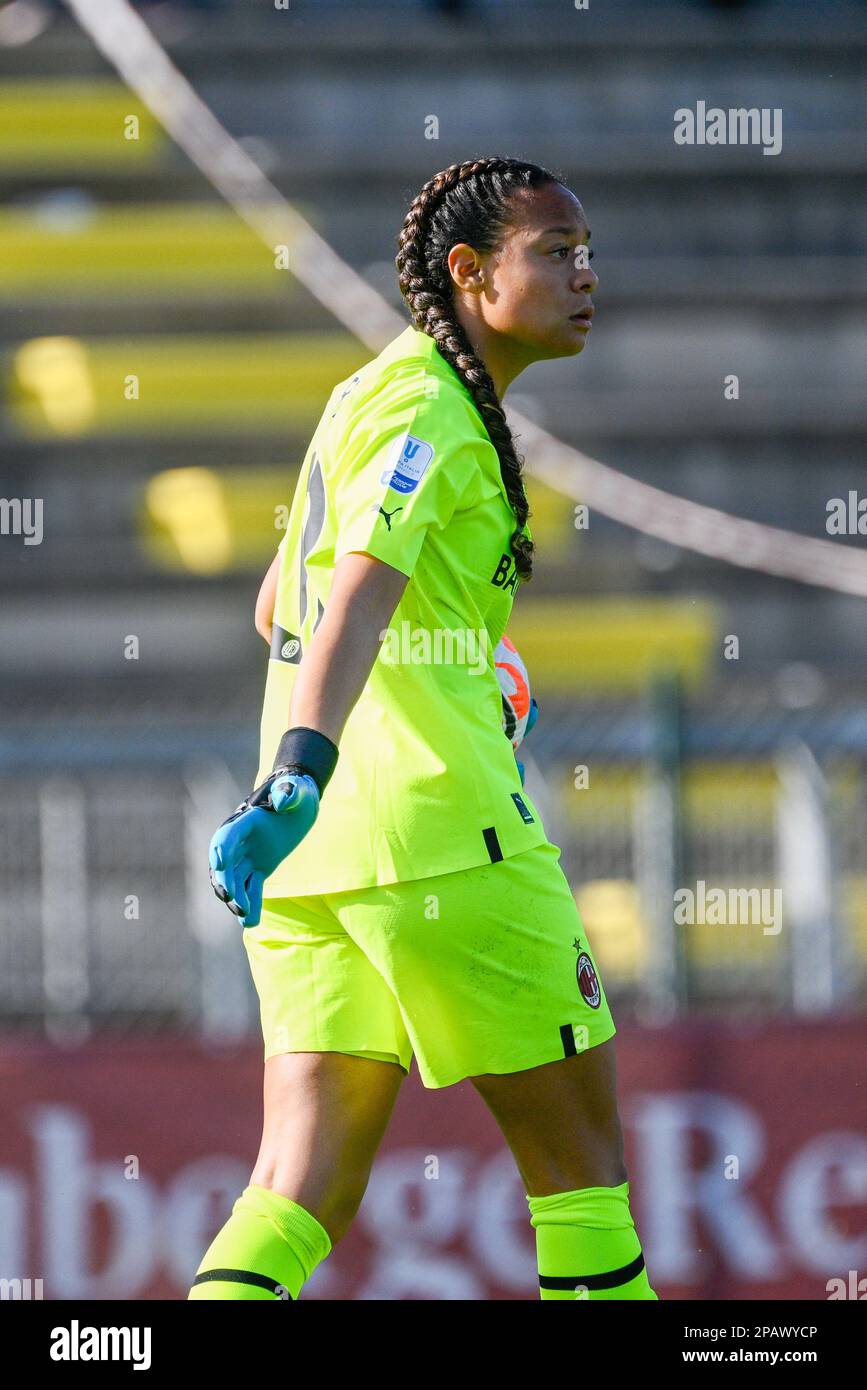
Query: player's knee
(341,1216)
(332,1198)
(585,1166)
(336,1205)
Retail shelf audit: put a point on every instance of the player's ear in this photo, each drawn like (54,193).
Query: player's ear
(466,268)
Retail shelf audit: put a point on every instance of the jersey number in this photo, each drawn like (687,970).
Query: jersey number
(310,535)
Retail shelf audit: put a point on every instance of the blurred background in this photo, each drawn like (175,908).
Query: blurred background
(703,719)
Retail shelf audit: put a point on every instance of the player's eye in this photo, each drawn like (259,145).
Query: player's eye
(568,250)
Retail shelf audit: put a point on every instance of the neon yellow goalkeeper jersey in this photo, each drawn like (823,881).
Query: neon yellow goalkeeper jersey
(402,468)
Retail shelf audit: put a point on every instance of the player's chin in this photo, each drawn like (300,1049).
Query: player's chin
(568,340)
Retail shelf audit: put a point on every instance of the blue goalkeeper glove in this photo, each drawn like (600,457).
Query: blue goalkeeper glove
(270,822)
(531,719)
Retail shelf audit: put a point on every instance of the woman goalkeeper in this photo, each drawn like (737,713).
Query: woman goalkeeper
(413,904)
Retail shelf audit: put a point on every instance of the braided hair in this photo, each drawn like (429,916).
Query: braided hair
(467,202)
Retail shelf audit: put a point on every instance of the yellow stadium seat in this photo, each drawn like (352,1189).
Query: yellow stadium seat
(134,252)
(183,384)
(75,126)
(576,645)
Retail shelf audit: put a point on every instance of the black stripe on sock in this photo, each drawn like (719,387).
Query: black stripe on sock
(492,844)
(567,1037)
(594,1281)
(244,1276)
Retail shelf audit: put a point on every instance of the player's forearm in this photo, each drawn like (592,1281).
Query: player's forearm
(341,654)
(333,674)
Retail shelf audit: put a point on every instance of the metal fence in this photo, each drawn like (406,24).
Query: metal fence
(717,865)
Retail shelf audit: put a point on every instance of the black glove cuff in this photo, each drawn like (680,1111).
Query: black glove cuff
(306,750)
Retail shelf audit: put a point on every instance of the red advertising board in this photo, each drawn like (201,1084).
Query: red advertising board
(746,1151)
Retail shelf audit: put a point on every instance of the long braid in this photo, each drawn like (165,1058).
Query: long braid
(467,202)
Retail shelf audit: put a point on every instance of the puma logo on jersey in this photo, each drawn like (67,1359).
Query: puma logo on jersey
(389,515)
(505,576)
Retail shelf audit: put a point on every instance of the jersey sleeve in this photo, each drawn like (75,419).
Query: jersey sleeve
(407,461)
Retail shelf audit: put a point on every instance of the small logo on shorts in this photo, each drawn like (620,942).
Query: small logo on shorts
(588,980)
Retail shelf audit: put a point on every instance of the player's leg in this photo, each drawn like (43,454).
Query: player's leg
(325,1116)
(326,1106)
(561,1121)
(562,1125)
(497,982)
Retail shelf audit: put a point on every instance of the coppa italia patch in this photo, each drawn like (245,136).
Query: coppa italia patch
(413,458)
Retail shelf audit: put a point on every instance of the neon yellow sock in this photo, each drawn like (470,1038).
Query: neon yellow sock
(267,1249)
(587,1245)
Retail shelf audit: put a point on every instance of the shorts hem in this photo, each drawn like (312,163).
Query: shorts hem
(372,1053)
(431,1085)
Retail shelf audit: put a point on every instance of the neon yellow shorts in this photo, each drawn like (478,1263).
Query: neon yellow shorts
(483,970)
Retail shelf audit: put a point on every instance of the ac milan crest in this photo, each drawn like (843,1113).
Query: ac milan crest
(588,980)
